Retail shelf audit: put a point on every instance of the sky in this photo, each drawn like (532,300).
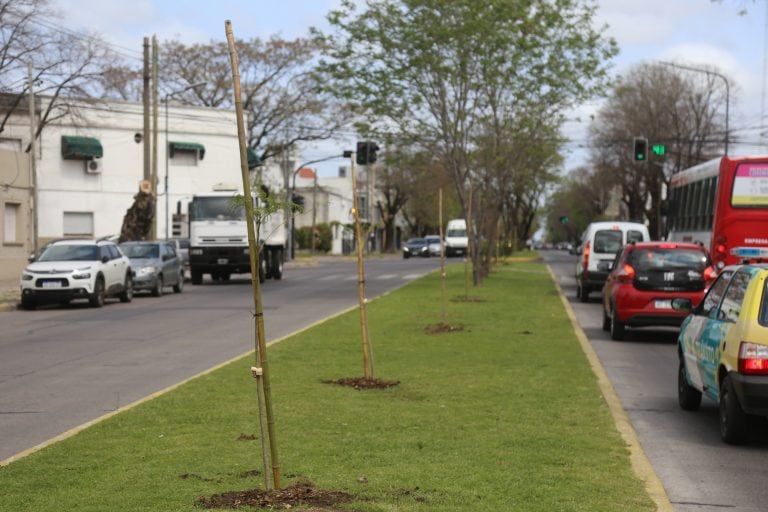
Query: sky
(689,32)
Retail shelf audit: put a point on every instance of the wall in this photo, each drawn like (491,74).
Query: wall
(15,193)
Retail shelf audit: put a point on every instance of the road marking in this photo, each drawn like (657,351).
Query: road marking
(330,277)
(386,276)
(637,457)
(410,276)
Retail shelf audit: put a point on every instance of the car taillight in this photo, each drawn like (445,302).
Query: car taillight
(753,359)
(626,274)
(586,257)
(710,274)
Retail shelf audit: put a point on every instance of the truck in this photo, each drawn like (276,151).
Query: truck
(218,238)
(456,240)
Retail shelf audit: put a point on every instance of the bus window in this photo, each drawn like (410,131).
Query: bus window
(750,186)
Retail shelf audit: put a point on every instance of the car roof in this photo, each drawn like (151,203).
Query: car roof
(144,242)
(80,241)
(658,244)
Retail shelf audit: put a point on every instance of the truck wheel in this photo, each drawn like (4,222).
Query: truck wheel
(277,264)
(197,277)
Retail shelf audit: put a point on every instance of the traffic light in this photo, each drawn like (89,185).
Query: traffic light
(641,149)
(366,152)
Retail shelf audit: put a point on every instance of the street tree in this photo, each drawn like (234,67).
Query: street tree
(427,72)
(682,110)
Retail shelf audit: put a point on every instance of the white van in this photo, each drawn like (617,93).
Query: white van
(599,244)
(456,240)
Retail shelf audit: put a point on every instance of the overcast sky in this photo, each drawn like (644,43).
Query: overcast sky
(693,32)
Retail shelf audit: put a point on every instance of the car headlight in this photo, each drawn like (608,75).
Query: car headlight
(27,277)
(196,252)
(405,249)
(81,275)
(145,271)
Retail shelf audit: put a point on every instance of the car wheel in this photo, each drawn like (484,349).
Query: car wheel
(617,327)
(127,294)
(28,303)
(96,299)
(688,397)
(733,419)
(406,256)
(197,277)
(157,291)
(606,321)
(180,285)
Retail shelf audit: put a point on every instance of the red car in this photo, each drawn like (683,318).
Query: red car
(646,276)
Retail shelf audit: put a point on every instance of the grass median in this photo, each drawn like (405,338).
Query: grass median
(502,415)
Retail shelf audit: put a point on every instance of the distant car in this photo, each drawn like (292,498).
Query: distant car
(646,276)
(723,349)
(433,245)
(415,247)
(155,265)
(77,269)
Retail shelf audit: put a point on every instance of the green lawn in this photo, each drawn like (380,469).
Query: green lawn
(504,416)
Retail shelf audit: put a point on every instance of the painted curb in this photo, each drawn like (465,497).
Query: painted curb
(638,459)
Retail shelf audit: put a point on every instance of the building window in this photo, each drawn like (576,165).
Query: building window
(78,224)
(11,223)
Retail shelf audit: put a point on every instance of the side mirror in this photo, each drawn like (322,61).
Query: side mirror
(31,258)
(683,305)
(104,259)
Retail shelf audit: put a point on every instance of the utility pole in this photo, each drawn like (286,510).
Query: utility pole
(153,180)
(145,135)
(32,160)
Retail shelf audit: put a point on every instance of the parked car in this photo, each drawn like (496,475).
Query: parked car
(433,245)
(599,244)
(155,265)
(723,349)
(415,247)
(646,276)
(77,269)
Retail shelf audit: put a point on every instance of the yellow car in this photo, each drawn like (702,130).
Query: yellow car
(723,347)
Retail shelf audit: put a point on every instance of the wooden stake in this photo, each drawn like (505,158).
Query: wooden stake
(367,365)
(442,255)
(261,344)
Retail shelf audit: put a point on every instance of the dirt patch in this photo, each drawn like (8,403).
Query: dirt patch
(363,383)
(246,437)
(443,327)
(300,493)
(468,298)
(192,476)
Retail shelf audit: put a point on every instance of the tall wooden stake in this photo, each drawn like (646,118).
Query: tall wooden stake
(261,344)
(468,261)
(442,255)
(367,361)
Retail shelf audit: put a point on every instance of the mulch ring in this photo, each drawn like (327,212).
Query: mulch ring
(300,493)
(468,298)
(363,383)
(443,327)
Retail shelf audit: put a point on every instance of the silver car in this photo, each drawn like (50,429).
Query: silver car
(155,265)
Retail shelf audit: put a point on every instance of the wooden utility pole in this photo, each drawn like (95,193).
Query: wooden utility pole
(145,135)
(33,160)
(153,232)
(261,371)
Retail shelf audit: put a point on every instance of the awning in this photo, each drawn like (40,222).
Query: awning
(186,146)
(253,159)
(80,148)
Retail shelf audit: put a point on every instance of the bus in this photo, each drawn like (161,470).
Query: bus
(722,204)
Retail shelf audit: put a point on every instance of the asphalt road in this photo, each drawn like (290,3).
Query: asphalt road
(62,367)
(699,472)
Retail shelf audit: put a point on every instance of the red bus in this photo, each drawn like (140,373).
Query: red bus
(722,203)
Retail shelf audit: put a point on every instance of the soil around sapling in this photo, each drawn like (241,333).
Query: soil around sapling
(468,298)
(300,493)
(442,328)
(361,383)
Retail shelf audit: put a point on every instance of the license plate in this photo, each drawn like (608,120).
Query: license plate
(223,261)
(51,284)
(663,304)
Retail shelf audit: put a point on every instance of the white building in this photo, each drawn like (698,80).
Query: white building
(89,165)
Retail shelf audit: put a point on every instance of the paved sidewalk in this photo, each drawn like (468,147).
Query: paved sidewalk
(9,294)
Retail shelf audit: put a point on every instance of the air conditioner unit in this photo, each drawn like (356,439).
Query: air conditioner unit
(93,166)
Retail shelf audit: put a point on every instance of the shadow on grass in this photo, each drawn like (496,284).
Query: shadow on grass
(361,383)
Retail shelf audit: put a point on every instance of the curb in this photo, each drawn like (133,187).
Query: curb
(637,457)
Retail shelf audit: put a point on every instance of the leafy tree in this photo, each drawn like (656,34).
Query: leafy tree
(433,74)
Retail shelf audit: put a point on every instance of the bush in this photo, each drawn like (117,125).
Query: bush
(323,237)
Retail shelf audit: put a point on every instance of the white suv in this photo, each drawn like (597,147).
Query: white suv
(77,269)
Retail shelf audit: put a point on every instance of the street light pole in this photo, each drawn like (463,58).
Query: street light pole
(727,91)
(165,100)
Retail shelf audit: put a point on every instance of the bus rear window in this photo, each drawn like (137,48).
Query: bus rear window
(750,186)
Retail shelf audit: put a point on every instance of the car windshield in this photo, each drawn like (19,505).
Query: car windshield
(70,253)
(433,239)
(456,233)
(141,251)
(416,241)
(608,241)
(667,259)
(216,208)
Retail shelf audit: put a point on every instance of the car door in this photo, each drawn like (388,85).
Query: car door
(716,329)
(112,274)
(170,264)
(693,331)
